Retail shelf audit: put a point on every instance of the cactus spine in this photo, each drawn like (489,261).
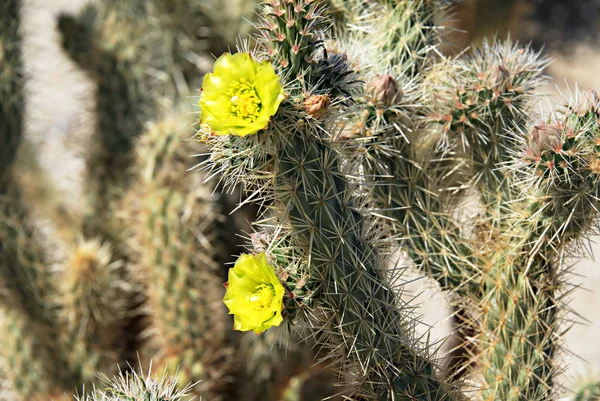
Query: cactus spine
(133,386)
(359,306)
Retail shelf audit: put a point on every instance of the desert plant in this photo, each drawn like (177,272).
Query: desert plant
(354,142)
(417,120)
(295,162)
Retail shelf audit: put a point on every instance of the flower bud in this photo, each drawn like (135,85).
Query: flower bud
(544,138)
(594,166)
(384,91)
(316,105)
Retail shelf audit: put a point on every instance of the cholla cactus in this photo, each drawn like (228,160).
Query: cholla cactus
(294,162)
(351,149)
(93,308)
(11,87)
(416,122)
(131,386)
(26,284)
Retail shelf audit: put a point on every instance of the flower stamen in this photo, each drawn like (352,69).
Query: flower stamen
(263,297)
(245,103)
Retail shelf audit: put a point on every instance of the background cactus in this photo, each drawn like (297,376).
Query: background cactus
(27,288)
(174,219)
(588,392)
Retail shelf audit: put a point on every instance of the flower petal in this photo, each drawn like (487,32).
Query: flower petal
(239,72)
(235,66)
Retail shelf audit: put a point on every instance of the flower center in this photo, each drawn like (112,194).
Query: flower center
(263,297)
(245,103)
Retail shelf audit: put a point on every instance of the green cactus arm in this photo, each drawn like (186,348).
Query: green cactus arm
(353,295)
(559,203)
(121,104)
(390,132)
(359,302)
(93,308)
(482,98)
(405,190)
(559,170)
(173,220)
(517,329)
(291,31)
(26,285)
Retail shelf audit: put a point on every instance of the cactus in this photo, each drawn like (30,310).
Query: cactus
(366,332)
(26,285)
(114,62)
(133,386)
(505,268)
(351,150)
(479,104)
(93,307)
(11,87)
(130,50)
(480,115)
(556,214)
(45,359)
(339,251)
(27,291)
(174,219)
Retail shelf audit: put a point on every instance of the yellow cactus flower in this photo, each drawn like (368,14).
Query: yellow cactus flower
(240,96)
(254,295)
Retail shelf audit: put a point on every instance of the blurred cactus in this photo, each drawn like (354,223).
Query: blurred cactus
(174,219)
(108,43)
(12,111)
(589,391)
(25,277)
(35,361)
(93,307)
(142,56)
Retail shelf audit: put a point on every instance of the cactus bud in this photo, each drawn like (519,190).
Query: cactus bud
(260,242)
(594,166)
(543,138)
(384,91)
(316,105)
(591,104)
